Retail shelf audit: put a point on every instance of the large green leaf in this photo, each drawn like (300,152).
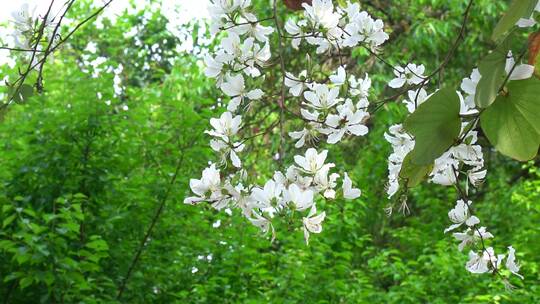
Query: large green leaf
(518,9)
(492,69)
(512,123)
(435,126)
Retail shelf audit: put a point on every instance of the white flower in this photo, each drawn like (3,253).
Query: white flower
(511,262)
(402,143)
(301,199)
(476,176)
(213,67)
(321,12)
(300,136)
(460,215)
(295,29)
(326,183)
(468,85)
(312,223)
(520,71)
(339,77)
(360,87)
(477,263)
(411,74)
(295,85)
(226,126)
(322,98)
(269,196)
(234,87)
(223,147)
(263,223)
(363,29)
(345,122)
(207,187)
(471,236)
(483,263)
(348,191)
(312,162)
(416,98)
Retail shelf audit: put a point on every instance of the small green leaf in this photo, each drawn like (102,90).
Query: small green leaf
(22,93)
(512,123)
(8,220)
(518,9)
(492,69)
(435,126)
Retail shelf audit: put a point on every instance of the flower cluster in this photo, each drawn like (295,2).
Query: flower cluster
(295,190)
(465,158)
(303,186)
(483,260)
(326,27)
(324,112)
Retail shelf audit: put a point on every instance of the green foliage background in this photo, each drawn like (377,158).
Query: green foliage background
(81,181)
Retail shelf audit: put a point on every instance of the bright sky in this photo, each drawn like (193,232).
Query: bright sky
(177,11)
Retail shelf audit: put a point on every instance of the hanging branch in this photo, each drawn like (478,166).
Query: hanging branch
(51,48)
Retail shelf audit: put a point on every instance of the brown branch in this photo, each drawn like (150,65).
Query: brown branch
(148,233)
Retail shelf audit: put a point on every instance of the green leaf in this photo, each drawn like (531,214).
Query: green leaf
(492,69)
(22,93)
(435,126)
(414,174)
(8,220)
(25,282)
(512,123)
(518,9)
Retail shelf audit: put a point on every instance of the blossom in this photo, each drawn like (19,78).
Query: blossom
(326,183)
(348,191)
(262,223)
(208,186)
(300,136)
(322,98)
(226,126)
(269,196)
(312,161)
(518,71)
(227,149)
(360,87)
(416,98)
(511,262)
(24,20)
(234,87)
(528,22)
(411,74)
(362,28)
(483,262)
(295,29)
(468,85)
(321,12)
(471,236)
(459,215)
(346,122)
(312,223)
(301,199)
(402,143)
(339,77)
(295,85)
